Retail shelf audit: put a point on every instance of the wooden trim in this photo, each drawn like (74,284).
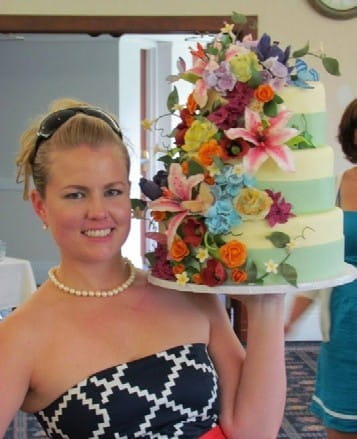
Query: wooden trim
(116,25)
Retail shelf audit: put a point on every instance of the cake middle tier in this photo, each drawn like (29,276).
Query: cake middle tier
(311,188)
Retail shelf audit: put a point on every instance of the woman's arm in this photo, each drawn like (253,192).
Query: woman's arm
(253,383)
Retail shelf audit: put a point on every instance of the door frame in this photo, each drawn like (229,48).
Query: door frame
(117,25)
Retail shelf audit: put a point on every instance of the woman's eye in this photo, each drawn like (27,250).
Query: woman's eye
(74,195)
(113,192)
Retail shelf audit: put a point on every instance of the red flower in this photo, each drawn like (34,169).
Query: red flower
(280,211)
(214,273)
(193,231)
(180,132)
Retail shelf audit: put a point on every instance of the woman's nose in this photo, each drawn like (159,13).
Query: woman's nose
(97,208)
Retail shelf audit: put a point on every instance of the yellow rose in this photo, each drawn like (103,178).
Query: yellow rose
(199,132)
(252,204)
(243,66)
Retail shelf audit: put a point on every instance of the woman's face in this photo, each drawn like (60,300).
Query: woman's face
(87,204)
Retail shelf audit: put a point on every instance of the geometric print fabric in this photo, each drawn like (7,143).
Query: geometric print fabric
(170,394)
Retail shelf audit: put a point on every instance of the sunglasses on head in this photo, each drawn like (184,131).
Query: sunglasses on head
(53,121)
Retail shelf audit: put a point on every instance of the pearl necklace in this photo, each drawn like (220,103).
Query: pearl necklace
(97,293)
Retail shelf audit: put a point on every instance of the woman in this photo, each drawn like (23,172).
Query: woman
(99,352)
(335,398)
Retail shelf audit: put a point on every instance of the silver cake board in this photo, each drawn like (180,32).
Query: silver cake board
(348,275)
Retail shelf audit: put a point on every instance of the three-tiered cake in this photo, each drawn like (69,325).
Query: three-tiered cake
(247,193)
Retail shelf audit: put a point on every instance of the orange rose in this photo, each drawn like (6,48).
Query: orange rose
(197,278)
(158,216)
(178,250)
(178,269)
(238,276)
(233,254)
(264,93)
(208,151)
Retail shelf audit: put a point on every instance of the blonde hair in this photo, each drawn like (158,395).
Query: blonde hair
(78,129)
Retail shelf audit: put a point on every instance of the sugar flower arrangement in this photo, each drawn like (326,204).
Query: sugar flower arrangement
(231,123)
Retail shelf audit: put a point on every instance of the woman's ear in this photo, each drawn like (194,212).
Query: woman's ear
(38,205)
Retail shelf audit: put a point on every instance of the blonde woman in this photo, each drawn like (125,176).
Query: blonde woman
(99,352)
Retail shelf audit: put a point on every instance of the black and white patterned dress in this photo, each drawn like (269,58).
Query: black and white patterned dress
(170,394)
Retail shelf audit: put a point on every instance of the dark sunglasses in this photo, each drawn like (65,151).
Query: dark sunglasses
(54,120)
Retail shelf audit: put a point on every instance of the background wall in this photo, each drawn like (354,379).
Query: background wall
(33,72)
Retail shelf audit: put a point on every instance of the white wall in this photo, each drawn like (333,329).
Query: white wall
(33,73)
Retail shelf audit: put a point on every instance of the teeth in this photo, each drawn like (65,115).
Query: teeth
(95,233)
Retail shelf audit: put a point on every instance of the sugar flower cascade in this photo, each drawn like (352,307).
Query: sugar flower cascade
(233,121)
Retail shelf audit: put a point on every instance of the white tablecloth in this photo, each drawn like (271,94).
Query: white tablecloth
(17,282)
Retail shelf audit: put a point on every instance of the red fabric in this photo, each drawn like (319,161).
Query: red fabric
(215,433)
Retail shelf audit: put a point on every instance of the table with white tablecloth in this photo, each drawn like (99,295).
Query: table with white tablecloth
(17,282)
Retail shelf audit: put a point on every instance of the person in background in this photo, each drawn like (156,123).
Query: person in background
(335,398)
(97,351)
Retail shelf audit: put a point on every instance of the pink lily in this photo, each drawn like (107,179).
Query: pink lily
(268,140)
(178,199)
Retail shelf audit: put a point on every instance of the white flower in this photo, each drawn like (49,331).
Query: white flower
(202,254)
(182,278)
(238,169)
(271,266)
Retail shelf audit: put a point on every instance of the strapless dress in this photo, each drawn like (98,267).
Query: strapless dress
(166,395)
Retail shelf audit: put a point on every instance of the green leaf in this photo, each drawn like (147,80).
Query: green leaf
(331,65)
(279,239)
(226,40)
(193,263)
(167,159)
(301,142)
(137,203)
(252,271)
(212,50)
(238,18)
(150,256)
(289,273)
(190,77)
(270,108)
(172,100)
(278,99)
(218,162)
(194,168)
(219,240)
(255,80)
(301,52)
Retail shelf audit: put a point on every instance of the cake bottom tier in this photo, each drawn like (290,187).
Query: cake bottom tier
(316,253)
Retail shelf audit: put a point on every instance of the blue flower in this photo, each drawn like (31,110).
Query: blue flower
(222,216)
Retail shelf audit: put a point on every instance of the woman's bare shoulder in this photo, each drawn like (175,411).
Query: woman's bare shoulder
(350,176)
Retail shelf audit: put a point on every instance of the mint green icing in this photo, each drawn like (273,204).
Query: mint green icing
(311,263)
(314,123)
(307,196)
